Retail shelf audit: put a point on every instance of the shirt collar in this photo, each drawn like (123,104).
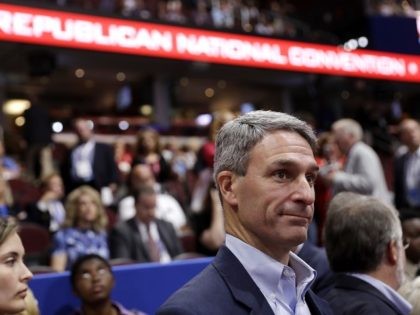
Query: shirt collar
(266,271)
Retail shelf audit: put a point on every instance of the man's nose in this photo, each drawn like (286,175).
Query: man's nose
(304,190)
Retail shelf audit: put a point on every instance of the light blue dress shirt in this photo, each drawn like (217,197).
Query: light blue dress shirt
(283,286)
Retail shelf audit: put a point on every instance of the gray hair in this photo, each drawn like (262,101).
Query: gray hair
(349,126)
(357,232)
(237,137)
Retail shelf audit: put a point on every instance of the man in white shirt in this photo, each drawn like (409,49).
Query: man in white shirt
(145,238)
(264,169)
(167,207)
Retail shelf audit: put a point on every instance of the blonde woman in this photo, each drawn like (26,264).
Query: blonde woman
(14,275)
(83,231)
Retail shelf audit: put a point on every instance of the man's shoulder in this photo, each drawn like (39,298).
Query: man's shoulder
(163,224)
(103,147)
(355,296)
(361,148)
(126,225)
(347,301)
(204,292)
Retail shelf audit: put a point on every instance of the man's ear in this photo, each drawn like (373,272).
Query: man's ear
(392,252)
(226,182)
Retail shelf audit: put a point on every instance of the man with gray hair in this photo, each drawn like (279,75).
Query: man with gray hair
(264,170)
(364,243)
(363,172)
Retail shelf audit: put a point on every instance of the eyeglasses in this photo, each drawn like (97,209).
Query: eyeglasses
(406,242)
(86,275)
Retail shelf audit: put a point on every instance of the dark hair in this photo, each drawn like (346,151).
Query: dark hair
(82,259)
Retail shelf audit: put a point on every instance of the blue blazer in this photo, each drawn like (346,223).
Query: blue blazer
(352,295)
(225,287)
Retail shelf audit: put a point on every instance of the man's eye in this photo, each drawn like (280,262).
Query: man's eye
(311,178)
(281,174)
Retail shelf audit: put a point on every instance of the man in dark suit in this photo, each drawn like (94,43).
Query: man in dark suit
(364,244)
(145,238)
(264,169)
(90,162)
(407,167)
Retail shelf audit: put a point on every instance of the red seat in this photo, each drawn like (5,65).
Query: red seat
(37,241)
(24,192)
(188,241)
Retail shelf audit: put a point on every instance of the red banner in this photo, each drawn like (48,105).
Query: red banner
(64,29)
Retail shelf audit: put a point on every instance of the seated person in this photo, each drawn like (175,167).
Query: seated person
(167,207)
(84,229)
(92,281)
(49,211)
(145,238)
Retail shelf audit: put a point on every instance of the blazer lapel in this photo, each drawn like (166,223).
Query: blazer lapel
(139,249)
(243,288)
(164,237)
(314,304)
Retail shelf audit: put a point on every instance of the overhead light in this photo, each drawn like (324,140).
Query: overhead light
(79,73)
(16,106)
(203,120)
(20,121)
(57,127)
(209,92)
(123,125)
(363,41)
(120,76)
(146,109)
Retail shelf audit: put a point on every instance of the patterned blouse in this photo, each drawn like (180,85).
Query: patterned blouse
(77,242)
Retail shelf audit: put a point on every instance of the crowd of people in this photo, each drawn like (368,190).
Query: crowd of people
(269,18)
(263,160)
